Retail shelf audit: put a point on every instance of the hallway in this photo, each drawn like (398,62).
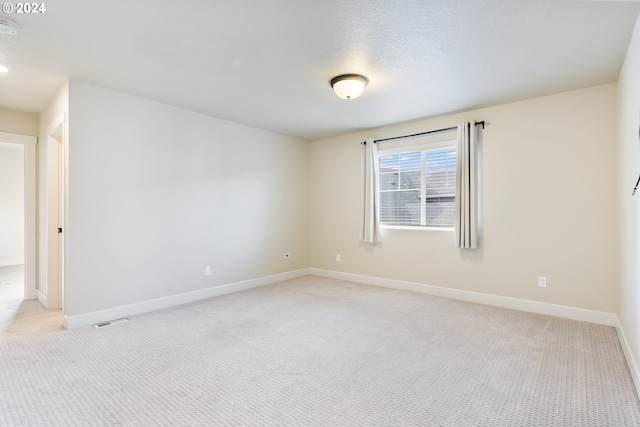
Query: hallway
(18,316)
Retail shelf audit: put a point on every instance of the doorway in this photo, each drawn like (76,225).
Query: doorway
(12,222)
(23,313)
(26,145)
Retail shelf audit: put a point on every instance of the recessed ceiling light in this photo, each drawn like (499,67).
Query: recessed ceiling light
(3,69)
(8,27)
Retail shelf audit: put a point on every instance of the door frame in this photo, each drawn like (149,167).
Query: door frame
(30,206)
(56,260)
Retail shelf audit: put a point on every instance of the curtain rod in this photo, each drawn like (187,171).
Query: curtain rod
(423,133)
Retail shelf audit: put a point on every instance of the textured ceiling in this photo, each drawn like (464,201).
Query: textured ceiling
(268,64)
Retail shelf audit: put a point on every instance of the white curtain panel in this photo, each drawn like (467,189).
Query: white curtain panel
(467,186)
(371,218)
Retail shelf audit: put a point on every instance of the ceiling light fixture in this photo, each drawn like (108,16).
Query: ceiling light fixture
(349,86)
(8,27)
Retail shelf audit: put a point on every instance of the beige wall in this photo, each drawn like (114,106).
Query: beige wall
(629,206)
(548,169)
(157,193)
(19,122)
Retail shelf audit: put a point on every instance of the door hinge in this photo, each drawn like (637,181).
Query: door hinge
(59,229)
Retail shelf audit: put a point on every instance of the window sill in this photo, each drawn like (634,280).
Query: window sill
(416,228)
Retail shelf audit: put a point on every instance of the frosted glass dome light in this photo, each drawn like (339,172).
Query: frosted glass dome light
(7,26)
(349,86)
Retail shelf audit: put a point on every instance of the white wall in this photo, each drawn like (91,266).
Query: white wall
(629,206)
(11,204)
(548,206)
(156,193)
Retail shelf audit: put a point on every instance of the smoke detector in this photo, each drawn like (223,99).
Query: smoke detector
(8,27)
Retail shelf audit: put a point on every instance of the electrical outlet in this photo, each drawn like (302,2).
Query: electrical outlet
(207,271)
(338,257)
(287,255)
(542,281)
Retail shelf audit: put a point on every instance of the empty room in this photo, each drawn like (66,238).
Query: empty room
(334,213)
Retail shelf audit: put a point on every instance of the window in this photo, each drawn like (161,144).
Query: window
(418,185)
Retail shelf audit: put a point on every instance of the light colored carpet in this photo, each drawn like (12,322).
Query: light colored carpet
(321,352)
(11,282)
(22,317)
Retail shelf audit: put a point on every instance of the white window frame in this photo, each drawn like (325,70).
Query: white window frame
(398,148)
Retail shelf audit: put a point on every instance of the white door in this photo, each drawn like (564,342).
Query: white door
(55,219)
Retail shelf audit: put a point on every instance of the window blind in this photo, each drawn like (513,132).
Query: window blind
(418,187)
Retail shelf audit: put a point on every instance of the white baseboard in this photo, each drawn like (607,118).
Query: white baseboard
(563,311)
(42,298)
(628,354)
(10,262)
(76,321)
